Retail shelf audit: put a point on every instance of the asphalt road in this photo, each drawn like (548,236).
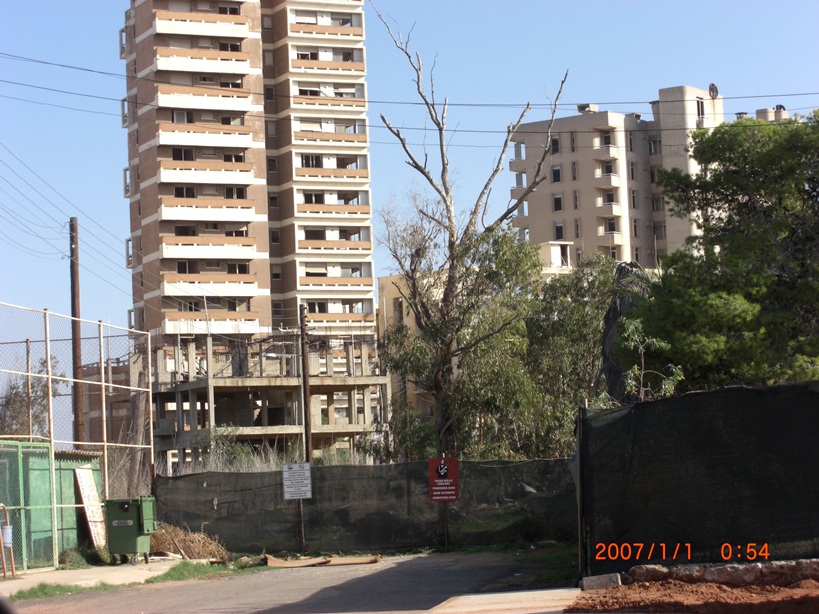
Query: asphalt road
(402,584)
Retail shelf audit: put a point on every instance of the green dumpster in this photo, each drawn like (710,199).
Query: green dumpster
(129,524)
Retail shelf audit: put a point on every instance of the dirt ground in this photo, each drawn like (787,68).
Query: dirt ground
(679,598)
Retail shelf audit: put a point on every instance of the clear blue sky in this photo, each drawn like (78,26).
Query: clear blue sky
(487,53)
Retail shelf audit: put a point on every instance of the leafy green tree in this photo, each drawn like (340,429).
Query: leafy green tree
(742,307)
(14,401)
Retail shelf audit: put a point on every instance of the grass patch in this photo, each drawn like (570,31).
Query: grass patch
(44,591)
(186,570)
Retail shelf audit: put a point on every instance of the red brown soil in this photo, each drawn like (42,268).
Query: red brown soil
(676,597)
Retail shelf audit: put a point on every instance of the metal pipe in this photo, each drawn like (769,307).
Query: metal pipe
(11,549)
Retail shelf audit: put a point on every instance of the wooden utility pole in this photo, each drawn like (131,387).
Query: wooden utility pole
(76,332)
(305,379)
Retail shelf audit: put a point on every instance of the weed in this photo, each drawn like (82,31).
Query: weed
(44,591)
(186,570)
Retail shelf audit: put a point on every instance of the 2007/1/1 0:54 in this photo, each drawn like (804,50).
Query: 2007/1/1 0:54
(632,552)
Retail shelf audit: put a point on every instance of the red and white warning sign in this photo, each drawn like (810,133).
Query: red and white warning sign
(443,479)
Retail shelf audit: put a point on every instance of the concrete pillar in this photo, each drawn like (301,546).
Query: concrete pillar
(367,417)
(331,407)
(180,431)
(191,361)
(349,353)
(211,396)
(329,362)
(352,413)
(264,408)
(365,358)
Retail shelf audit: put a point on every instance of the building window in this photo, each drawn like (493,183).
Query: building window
(235,193)
(314,198)
(558,231)
(182,267)
(228,10)
(277,310)
(700,108)
(613,252)
(555,144)
(184,192)
(659,230)
(274,236)
(235,47)
(576,199)
(211,264)
(267,22)
(608,198)
(269,93)
(630,141)
(189,306)
(655,145)
(272,200)
(139,209)
(632,170)
(233,120)
(578,255)
(557,202)
(607,167)
(576,228)
(657,202)
(183,117)
(211,226)
(635,227)
(238,268)
(183,154)
(519,180)
(272,165)
(574,147)
(317,306)
(634,199)
(556,174)
(574,171)
(652,174)
(311,161)
(611,225)
(605,138)
(637,255)
(233,157)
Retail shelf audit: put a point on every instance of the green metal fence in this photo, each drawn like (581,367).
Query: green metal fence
(25,490)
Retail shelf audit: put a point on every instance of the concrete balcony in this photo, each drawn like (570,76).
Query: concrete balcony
(609,237)
(341,318)
(520,221)
(518,165)
(232,173)
(201,24)
(329,138)
(209,248)
(214,322)
(207,135)
(329,102)
(316,31)
(336,245)
(203,61)
(608,209)
(517,192)
(341,282)
(206,98)
(206,210)
(328,68)
(610,180)
(350,174)
(333,209)
(605,152)
(215,284)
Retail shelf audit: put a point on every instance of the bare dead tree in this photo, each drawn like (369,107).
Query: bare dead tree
(443,257)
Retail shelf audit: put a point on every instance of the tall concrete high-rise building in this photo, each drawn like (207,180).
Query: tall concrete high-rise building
(602,194)
(248,182)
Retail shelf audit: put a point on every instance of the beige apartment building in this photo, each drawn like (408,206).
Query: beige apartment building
(601,194)
(248,183)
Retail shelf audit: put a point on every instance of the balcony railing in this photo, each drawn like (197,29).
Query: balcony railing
(327,66)
(329,101)
(344,245)
(314,30)
(334,173)
(335,281)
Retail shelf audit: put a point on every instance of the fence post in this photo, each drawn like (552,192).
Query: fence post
(55,554)
(103,413)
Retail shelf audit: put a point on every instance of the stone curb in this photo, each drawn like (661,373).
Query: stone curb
(774,573)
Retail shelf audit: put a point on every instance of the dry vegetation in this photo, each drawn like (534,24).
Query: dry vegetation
(193,545)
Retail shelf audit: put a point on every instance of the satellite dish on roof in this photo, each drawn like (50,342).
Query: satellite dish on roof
(713,91)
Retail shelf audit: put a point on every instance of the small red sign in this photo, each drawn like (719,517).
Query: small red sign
(443,479)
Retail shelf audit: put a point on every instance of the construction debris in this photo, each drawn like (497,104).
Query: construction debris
(272,561)
(189,545)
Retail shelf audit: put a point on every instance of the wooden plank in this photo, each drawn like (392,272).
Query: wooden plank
(92,505)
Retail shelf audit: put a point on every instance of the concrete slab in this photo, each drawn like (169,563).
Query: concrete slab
(119,574)
(593,583)
(521,602)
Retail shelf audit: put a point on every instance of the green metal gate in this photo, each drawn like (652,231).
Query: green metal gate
(26,490)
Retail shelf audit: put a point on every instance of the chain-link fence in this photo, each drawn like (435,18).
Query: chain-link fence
(78,385)
(379,507)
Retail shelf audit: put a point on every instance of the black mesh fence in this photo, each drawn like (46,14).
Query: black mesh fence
(729,475)
(382,507)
